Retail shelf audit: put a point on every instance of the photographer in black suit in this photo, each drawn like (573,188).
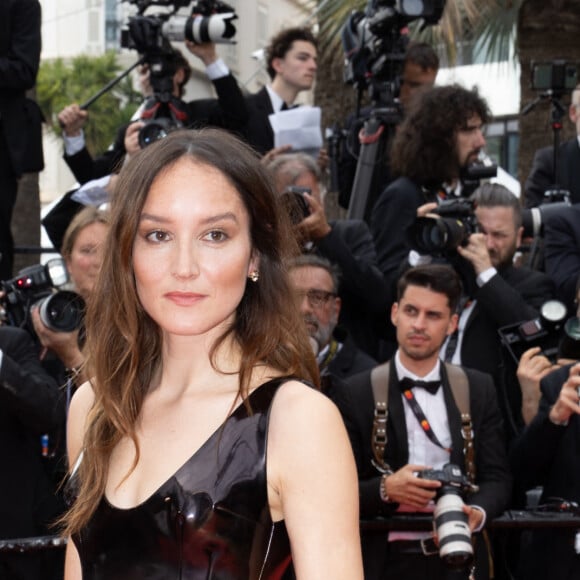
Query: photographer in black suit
(498,295)
(562,252)
(346,243)
(20,118)
(424,314)
(542,177)
(547,454)
(441,135)
(420,69)
(29,403)
(227,111)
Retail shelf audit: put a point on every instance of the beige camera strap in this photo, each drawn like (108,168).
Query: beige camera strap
(459,387)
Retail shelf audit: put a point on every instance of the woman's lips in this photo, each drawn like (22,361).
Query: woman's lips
(184,298)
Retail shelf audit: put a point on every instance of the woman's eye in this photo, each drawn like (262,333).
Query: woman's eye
(157,236)
(216,236)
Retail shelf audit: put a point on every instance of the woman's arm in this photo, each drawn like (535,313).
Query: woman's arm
(313,484)
(79,408)
(72,563)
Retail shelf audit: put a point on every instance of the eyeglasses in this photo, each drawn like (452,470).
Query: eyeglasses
(316,298)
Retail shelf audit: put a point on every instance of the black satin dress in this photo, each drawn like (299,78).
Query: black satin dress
(210,520)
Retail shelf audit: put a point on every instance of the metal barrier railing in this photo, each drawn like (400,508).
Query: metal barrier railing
(35,544)
(509,520)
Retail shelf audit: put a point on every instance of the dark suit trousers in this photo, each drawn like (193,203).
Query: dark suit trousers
(8,191)
(396,565)
(420,566)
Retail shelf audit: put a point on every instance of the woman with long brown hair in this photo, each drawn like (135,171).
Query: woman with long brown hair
(199,450)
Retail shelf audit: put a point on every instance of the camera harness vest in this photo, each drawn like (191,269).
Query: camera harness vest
(460,389)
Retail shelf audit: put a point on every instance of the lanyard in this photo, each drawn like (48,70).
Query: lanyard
(425,425)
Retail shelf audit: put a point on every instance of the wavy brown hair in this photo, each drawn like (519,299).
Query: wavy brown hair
(124,343)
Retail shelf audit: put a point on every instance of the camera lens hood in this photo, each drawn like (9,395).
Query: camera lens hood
(62,311)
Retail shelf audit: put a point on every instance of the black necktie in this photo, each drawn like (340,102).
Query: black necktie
(284,107)
(431,386)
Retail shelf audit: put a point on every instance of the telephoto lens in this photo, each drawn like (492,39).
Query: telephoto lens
(453,531)
(451,522)
(154,130)
(62,311)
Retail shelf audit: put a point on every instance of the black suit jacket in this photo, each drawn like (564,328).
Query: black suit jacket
(549,455)
(562,252)
(513,295)
(20,118)
(356,404)
(542,176)
(29,400)
(392,214)
(350,360)
(228,111)
(362,289)
(258,131)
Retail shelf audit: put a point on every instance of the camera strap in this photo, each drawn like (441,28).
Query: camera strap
(423,421)
(460,389)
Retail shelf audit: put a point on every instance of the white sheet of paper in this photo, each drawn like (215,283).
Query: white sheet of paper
(299,127)
(93,192)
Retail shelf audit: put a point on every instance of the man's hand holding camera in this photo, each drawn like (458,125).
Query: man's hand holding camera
(205,51)
(63,344)
(404,487)
(567,403)
(532,368)
(477,253)
(131,141)
(474,517)
(315,226)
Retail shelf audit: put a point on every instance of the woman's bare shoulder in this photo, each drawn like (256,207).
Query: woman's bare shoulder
(299,406)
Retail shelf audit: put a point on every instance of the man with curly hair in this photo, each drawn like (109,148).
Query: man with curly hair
(440,137)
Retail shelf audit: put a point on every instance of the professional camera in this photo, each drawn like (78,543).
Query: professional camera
(372,40)
(557,76)
(451,227)
(453,532)
(556,336)
(295,204)
(60,310)
(210,21)
(155,129)
(472,175)
(151,35)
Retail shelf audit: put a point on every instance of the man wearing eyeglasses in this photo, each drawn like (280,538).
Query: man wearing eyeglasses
(315,283)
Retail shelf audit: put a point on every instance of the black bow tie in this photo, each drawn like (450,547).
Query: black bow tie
(431,386)
(286,107)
